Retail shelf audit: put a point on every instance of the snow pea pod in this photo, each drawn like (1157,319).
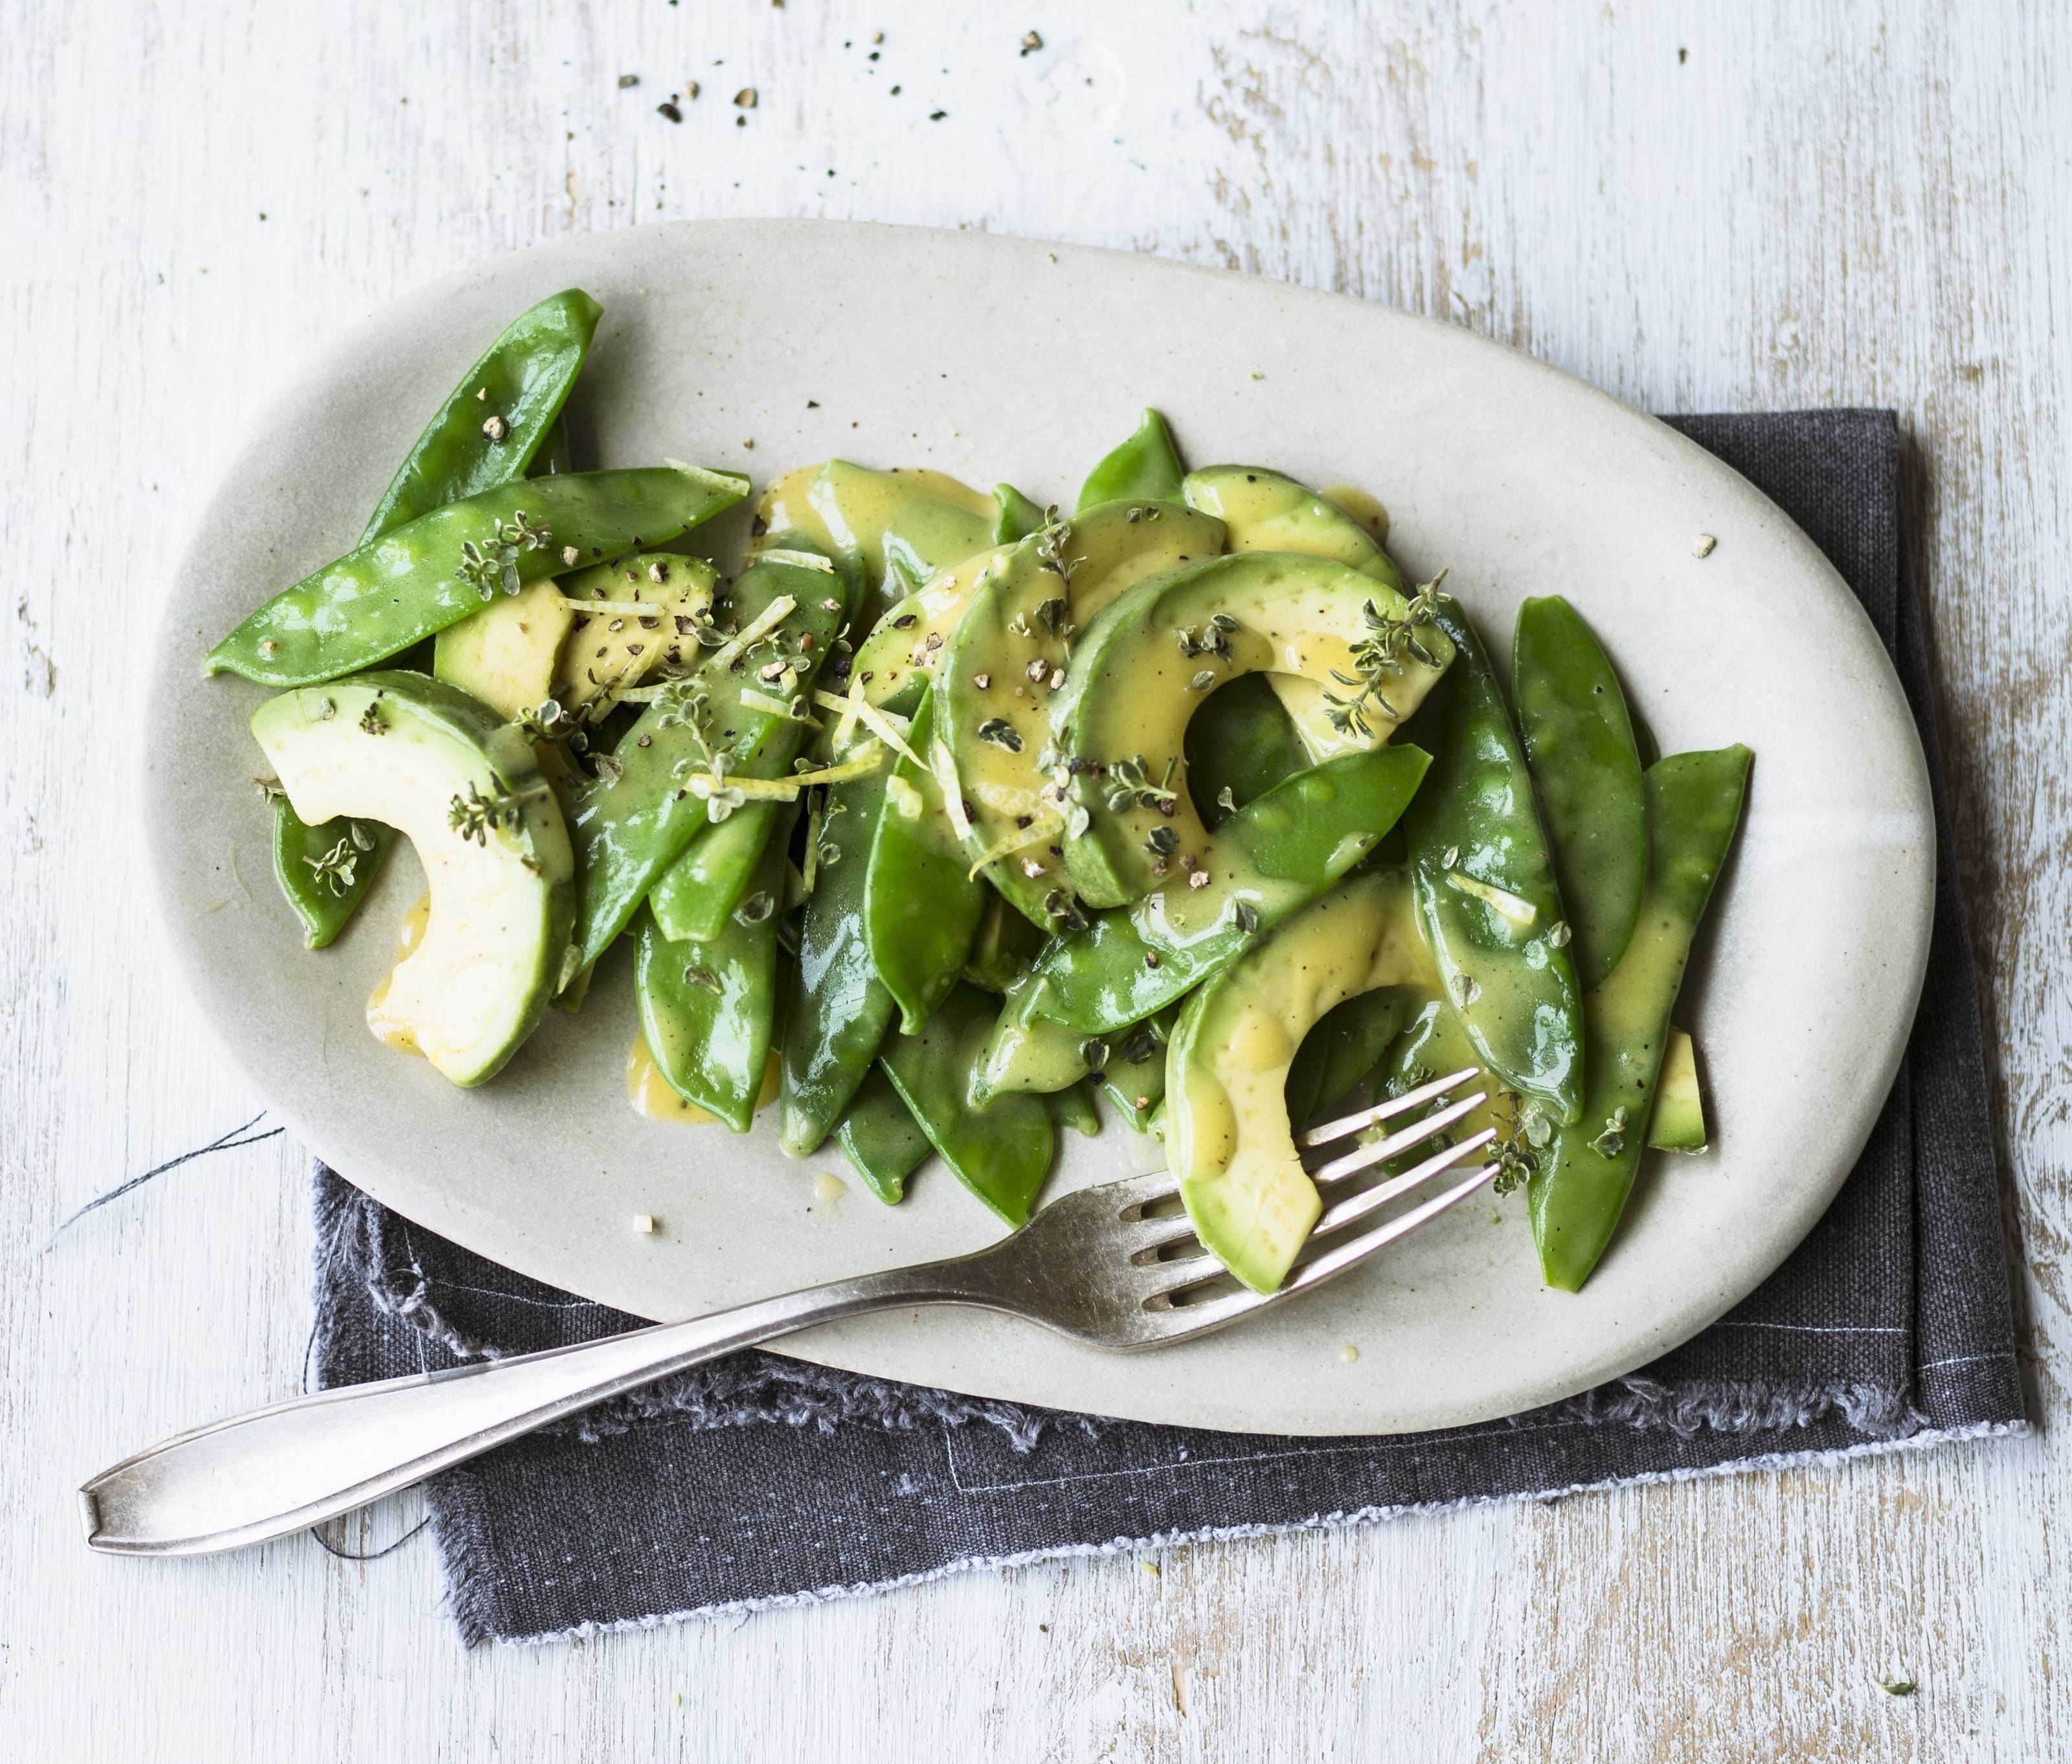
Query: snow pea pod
(1019,516)
(709,1009)
(1583,1179)
(500,414)
(1073,1107)
(839,1010)
(1028,1051)
(1579,742)
(698,892)
(1144,466)
(921,905)
(1344,1047)
(635,818)
(1284,850)
(1484,887)
(326,870)
(1241,741)
(408,584)
(1001,1153)
(880,1136)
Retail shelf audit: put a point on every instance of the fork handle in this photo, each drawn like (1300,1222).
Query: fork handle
(276,1470)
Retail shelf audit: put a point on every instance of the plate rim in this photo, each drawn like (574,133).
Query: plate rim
(451,1218)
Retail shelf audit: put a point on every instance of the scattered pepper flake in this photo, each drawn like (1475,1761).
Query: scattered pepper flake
(626,80)
(1031,43)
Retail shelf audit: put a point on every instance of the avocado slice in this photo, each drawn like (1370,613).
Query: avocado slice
(609,653)
(505,654)
(891,531)
(1267,510)
(1152,657)
(896,664)
(1678,1124)
(1228,1134)
(422,756)
(1007,661)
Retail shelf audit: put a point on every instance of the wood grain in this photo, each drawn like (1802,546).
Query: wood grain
(1696,206)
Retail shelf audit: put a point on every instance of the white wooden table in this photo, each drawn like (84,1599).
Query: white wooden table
(1697,207)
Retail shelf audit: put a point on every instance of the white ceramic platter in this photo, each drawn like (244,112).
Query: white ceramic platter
(997,359)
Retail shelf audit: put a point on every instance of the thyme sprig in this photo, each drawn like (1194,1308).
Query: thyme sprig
(1378,657)
(1523,1133)
(474,816)
(488,568)
(1129,787)
(1612,1141)
(335,869)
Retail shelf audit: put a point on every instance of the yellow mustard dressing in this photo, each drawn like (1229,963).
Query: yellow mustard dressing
(651,1094)
(1356,504)
(391,1030)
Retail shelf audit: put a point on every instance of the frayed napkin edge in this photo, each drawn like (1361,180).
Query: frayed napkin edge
(467,1605)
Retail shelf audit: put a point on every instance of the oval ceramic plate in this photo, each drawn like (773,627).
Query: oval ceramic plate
(999,358)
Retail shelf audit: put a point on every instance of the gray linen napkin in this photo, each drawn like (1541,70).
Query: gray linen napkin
(1889,1325)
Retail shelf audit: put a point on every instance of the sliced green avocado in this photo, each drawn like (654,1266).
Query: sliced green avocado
(505,654)
(895,663)
(1007,662)
(1228,1134)
(1266,511)
(889,531)
(1678,1124)
(1155,655)
(463,787)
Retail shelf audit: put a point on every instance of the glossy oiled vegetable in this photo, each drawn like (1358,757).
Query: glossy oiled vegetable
(499,416)
(708,1008)
(1343,1048)
(1152,657)
(1003,670)
(1145,467)
(414,581)
(697,894)
(1580,1188)
(1579,742)
(1241,742)
(1019,516)
(325,871)
(1486,890)
(1281,852)
(1001,1153)
(880,1136)
(1228,1130)
(654,794)
(921,907)
(839,1010)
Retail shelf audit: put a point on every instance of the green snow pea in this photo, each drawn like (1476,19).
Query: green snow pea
(1583,1176)
(709,1009)
(880,1136)
(1243,741)
(1484,887)
(1282,851)
(556,459)
(839,1010)
(698,892)
(326,870)
(1019,516)
(1001,1153)
(636,817)
(1005,947)
(921,905)
(1346,1045)
(1144,467)
(1027,1050)
(408,584)
(499,417)
(1133,1071)
(1073,1107)
(1579,742)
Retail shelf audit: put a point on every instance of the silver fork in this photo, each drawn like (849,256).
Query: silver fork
(1105,1265)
